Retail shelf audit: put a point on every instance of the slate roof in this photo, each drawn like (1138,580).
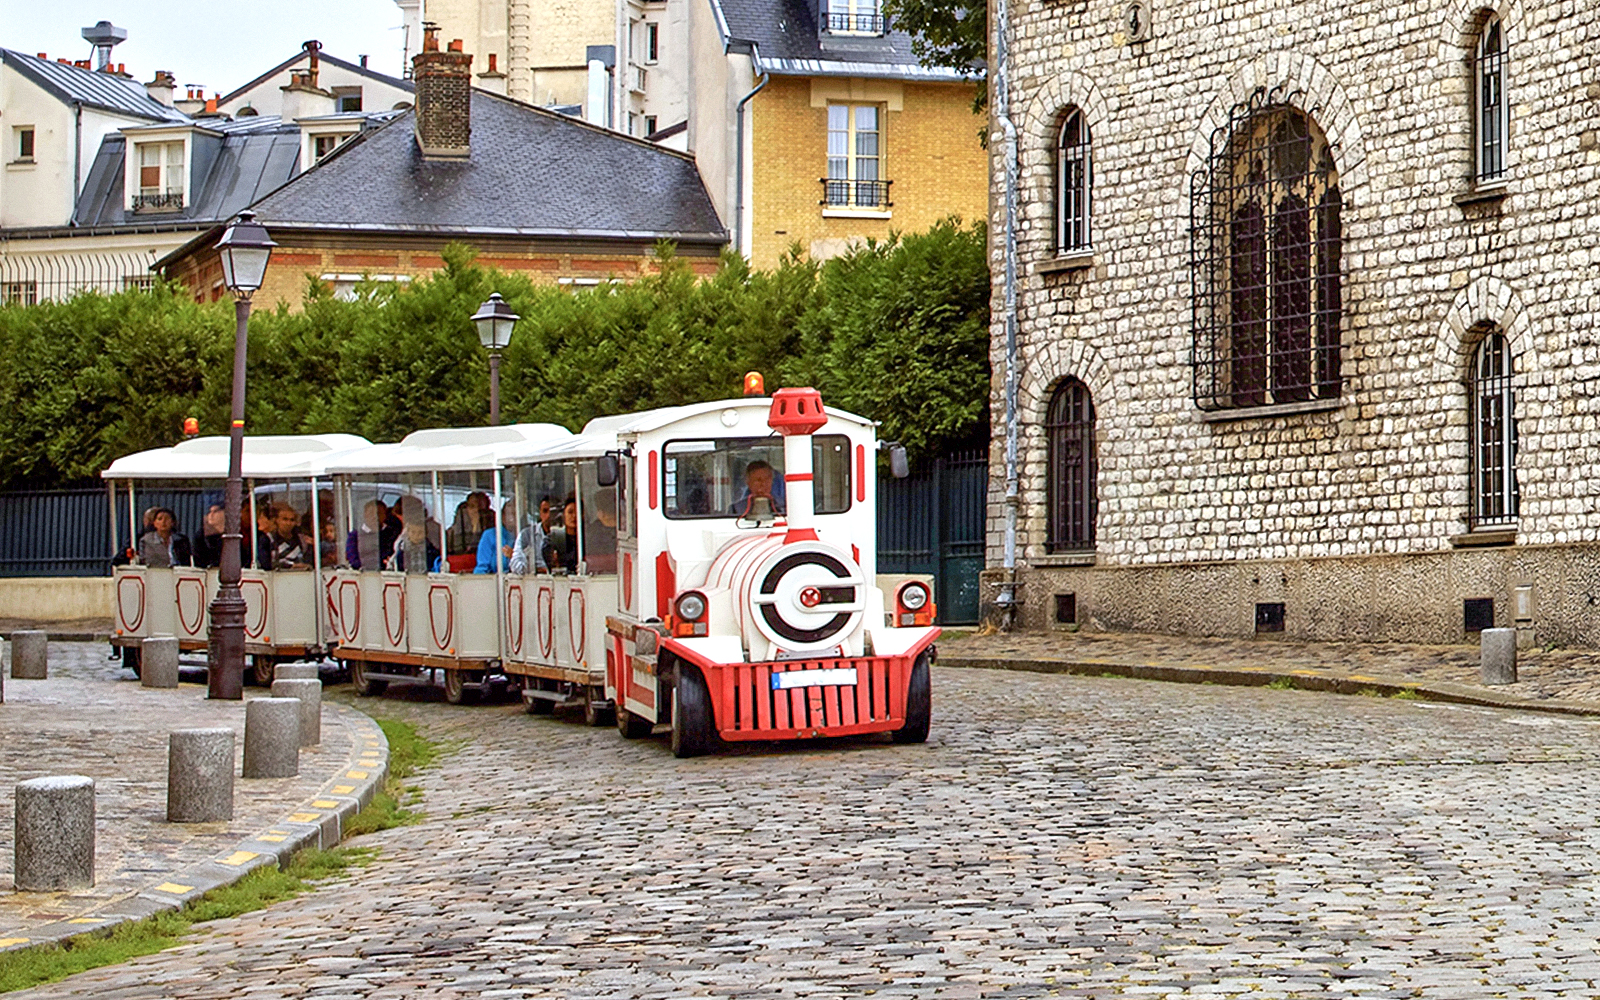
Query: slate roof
(788,43)
(95,90)
(256,155)
(531,173)
(324,57)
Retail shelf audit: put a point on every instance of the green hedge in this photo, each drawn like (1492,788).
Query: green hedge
(896,331)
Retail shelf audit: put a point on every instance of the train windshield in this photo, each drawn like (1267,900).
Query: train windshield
(727,477)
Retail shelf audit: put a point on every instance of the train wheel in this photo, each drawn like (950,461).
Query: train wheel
(633,727)
(365,686)
(131,659)
(535,706)
(456,691)
(261,670)
(595,713)
(919,705)
(692,733)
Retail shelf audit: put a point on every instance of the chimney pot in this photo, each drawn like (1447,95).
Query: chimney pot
(45,56)
(442,117)
(430,37)
(492,57)
(455,45)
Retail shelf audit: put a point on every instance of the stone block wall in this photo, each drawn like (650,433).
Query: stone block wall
(1385,471)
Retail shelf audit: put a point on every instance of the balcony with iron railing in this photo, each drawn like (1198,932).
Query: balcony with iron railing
(847,23)
(868,195)
(168,201)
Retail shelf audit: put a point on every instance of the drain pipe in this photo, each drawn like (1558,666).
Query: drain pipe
(1006,602)
(77,158)
(754,52)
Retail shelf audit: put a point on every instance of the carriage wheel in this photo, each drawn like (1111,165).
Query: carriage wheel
(456,691)
(131,659)
(633,727)
(595,714)
(365,686)
(692,732)
(919,705)
(261,670)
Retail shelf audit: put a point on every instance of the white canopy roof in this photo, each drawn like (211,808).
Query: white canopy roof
(282,456)
(577,446)
(650,420)
(450,449)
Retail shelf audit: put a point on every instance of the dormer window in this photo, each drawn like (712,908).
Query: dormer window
(161,176)
(853,17)
(349,99)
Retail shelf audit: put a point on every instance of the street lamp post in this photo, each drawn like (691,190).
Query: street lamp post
(495,321)
(244,250)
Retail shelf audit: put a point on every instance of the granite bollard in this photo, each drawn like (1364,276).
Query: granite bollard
(54,833)
(296,672)
(30,656)
(1497,649)
(199,775)
(310,695)
(158,662)
(272,738)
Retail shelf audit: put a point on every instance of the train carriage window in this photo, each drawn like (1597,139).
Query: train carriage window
(545,489)
(468,500)
(713,478)
(597,516)
(624,497)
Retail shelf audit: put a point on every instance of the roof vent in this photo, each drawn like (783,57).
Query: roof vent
(104,36)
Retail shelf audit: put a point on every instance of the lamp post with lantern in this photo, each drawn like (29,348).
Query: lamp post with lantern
(495,321)
(244,249)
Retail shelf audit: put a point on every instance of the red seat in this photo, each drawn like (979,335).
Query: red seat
(464,563)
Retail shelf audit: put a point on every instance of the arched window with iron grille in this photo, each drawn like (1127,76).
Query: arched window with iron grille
(1074,183)
(1265,255)
(1494,494)
(1493,123)
(1073,491)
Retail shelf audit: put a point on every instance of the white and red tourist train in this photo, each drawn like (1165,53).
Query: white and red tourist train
(711,567)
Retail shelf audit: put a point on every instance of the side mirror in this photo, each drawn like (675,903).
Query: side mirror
(899,467)
(605,470)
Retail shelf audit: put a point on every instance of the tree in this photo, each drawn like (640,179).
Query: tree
(949,34)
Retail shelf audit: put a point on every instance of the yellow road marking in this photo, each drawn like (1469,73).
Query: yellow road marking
(325,804)
(87,920)
(174,888)
(239,857)
(305,817)
(273,838)
(358,775)
(8,942)
(343,789)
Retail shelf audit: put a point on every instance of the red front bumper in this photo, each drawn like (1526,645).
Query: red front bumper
(746,706)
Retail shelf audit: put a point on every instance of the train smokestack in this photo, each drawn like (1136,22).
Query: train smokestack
(797,414)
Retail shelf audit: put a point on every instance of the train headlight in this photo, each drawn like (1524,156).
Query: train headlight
(914,596)
(691,607)
(914,604)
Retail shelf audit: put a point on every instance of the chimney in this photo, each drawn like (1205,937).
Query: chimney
(104,36)
(312,48)
(443,114)
(492,79)
(302,98)
(193,103)
(162,87)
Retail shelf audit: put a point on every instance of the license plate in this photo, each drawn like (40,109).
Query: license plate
(785,680)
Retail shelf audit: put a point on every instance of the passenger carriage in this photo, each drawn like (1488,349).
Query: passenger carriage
(403,622)
(284,616)
(728,615)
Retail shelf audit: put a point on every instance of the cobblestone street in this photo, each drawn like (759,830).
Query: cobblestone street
(1056,836)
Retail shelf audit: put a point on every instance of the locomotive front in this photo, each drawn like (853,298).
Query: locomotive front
(773,626)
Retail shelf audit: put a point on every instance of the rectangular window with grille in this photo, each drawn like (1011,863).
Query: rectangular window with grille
(162,177)
(1493,111)
(855,158)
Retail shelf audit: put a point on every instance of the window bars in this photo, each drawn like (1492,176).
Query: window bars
(1073,181)
(1072,490)
(1493,110)
(1494,494)
(1266,245)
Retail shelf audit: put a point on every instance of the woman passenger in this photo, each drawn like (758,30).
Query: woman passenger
(164,546)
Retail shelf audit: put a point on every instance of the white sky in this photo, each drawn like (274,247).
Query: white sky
(215,44)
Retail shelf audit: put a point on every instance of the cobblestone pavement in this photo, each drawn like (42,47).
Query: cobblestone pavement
(92,717)
(1057,835)
(1553,674)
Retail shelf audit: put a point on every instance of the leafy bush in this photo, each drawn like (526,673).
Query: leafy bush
(896,331)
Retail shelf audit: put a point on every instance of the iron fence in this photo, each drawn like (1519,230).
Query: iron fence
(68,532)
(31,278)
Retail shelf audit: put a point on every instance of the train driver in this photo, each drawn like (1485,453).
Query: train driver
(758,484)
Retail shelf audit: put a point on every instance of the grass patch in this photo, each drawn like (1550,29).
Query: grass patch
(1406,694)
(409,752)
(262,887)
(1281,684)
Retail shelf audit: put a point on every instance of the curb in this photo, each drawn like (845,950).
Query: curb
(69,636)
(317,821)
(1305,680)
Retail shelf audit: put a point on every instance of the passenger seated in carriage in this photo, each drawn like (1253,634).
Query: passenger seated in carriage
(528,554)
(288,548)
(501,533)
(415,551)
(370,545)
(164,546)
(561,549)
(473,517)
(208,540)
(600,534)
(758,487)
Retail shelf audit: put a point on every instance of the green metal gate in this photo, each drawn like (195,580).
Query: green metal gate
(933,522)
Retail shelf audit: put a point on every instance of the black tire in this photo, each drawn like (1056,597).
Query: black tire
(132,659)
(693,729)
(595,713)
(633,727)
(919,705)
(535,706)
(365,686)
(262,669)
(456,691)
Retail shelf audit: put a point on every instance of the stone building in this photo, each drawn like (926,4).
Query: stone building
(1306,317)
